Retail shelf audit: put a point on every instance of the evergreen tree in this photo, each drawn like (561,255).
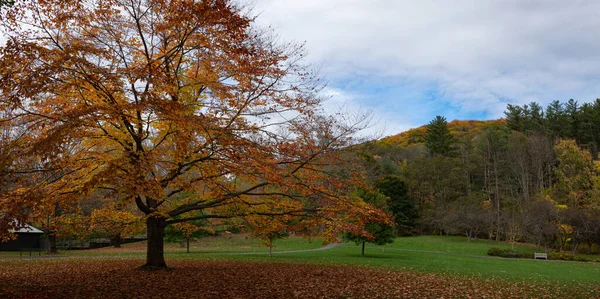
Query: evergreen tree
(572,110)
(526,118)
(399,203)
(557,120)
(515,117)
(535,118)
(587,134)
(439,139)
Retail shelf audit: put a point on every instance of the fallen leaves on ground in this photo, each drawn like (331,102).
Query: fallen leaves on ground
(120,278)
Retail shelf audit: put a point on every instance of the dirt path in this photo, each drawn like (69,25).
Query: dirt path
(326,247)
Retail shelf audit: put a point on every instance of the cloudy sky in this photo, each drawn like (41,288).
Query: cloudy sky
(409,61)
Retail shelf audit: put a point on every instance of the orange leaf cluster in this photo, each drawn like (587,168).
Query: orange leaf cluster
(184,109)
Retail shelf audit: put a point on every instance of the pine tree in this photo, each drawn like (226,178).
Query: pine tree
(515,117)
(439,139)
(399,203)
(556,119)
(572,110)
(535,118)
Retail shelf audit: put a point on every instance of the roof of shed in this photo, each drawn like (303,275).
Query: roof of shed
(27,229)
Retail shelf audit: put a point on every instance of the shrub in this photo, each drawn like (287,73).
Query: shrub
(495,251)
(563,256)
(507,253)
(567,256)
(529,255)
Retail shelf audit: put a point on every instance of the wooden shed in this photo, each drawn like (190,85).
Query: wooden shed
(28,237)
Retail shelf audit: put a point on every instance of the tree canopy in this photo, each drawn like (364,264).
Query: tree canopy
(182,108)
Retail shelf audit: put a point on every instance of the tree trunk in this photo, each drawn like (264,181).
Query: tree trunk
(155,258)
(118,241)
(497,197)
(270,251)
(188,245)
(363,249)
(52,241)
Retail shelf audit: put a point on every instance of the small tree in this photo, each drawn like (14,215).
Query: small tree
(268,230)
(469,216)
(191,230)
(539,222)
(381,234)
(378,233)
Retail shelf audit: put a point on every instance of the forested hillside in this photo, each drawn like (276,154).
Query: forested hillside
(528,177)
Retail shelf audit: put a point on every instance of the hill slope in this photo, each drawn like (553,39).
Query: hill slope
(459,128)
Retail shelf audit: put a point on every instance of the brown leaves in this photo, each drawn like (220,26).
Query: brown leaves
(219,279)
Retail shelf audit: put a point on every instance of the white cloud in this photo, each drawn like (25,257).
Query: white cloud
(479,54)
(381,123)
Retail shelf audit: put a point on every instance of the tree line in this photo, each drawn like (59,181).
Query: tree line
(530,177)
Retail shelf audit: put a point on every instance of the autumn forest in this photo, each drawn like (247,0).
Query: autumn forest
(176,135)
(529,177)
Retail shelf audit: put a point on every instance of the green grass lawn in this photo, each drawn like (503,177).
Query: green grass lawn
(452,255)
(435,254)
(453,264)
(458,245)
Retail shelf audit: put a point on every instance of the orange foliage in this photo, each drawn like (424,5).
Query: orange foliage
(111,222)
(458,128)
(188,229)
(176,107)
(72,225)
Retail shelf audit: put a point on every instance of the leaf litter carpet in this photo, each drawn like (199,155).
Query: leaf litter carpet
(121,278)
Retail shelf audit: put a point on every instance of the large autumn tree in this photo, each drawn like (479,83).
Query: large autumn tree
(181,107)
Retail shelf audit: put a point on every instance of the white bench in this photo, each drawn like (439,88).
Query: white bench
(540,256)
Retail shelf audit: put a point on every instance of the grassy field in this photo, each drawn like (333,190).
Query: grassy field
(431,254)
(434,254)
(457,245)
(424,266)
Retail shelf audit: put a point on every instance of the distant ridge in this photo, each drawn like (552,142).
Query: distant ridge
(459,128)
